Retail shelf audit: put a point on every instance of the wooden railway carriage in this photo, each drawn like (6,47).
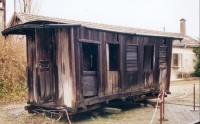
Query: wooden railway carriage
(74,65)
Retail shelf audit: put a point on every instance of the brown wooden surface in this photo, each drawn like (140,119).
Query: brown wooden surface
(62,49)
(89,86)
(72,62)
(94,100)
(43,65)
(169,43)
(122,83)
(78,32)
(30,67)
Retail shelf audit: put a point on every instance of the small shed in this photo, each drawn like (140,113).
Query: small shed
(75,64)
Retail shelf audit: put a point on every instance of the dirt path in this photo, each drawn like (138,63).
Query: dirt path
(177,111)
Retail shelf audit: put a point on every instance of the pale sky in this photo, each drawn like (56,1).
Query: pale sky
(146,14)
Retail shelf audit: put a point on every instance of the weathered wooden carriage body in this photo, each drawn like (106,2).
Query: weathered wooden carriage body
(82,65)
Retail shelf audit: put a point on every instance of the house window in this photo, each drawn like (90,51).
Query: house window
(148,57)
(175,59)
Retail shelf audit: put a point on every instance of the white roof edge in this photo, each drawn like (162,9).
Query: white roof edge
(12,17)
(21,18)
(182,51)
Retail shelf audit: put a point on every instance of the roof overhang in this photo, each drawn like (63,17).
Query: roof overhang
(29,26)
(23,28)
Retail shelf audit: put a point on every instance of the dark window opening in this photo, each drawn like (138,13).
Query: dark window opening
(148,57)
(113,57)
(90,56)
(164,42)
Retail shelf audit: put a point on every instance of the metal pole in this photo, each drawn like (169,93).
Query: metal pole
(163,104)
(182,65)
(161,109)
(194,97)
(194,109)
(164,119)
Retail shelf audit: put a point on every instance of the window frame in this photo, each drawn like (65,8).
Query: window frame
(177,58)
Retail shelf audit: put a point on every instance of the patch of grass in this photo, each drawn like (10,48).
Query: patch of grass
(12,69)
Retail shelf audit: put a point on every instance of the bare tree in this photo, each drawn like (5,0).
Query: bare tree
(29,6)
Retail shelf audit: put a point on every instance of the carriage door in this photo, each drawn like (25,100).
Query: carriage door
(112,54)
(148,64)
(44,66)
(89,68)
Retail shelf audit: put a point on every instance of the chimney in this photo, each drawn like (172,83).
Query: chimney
(183,27)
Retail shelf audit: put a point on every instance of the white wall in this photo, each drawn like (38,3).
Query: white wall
(1,20)
(187,60)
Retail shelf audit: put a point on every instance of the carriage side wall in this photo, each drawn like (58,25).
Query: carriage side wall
(143,62)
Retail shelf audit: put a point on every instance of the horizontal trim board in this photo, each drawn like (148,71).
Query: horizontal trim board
(97,99)
(132,69)
(89,41)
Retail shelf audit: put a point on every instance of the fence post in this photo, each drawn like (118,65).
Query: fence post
(164,119)
(194,100)
(162,108)
(161,103)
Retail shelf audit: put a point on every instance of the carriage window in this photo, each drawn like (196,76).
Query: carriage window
(113,57)
(90,56)
(148,57)
(163,43)
(131,57)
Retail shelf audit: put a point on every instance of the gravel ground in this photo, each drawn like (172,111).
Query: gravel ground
(177,111)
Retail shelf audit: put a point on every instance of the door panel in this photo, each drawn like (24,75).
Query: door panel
(113,82)
(89,85)
(44,65)
(112,55)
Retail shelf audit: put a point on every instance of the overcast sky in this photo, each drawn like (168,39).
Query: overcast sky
(147,14)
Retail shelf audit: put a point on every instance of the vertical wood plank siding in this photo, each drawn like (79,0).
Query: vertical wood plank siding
(122,39)
(78,34)
(30,64)
(132,58)
(65,93)
(43,65)
(72,63)
(57,70)
(169,43)
(140,60)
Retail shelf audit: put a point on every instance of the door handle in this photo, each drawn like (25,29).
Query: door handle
(38,65)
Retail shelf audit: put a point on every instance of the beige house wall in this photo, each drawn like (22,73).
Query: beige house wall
(1,20)
(187,59)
